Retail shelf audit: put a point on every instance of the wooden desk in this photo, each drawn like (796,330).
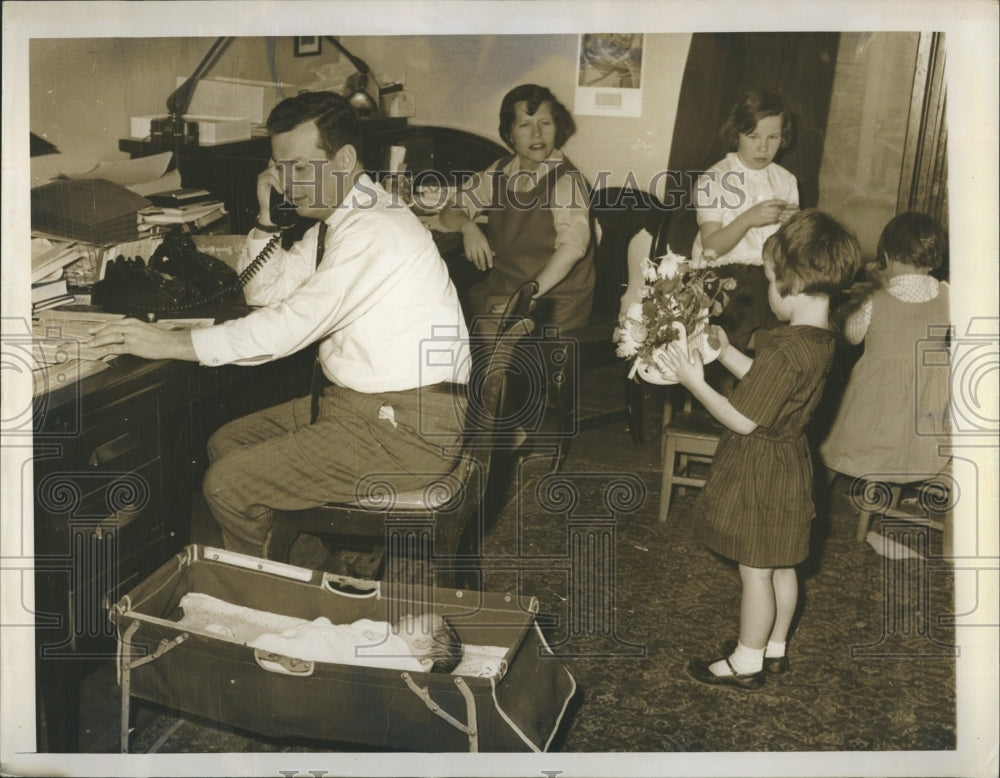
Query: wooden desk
(119,455)
(117,458)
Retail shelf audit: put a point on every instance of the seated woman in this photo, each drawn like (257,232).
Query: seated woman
(537,205)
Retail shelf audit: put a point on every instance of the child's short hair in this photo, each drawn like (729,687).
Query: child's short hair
(534,95)
(755,105)
(914,238)
(432,638)
(812,253)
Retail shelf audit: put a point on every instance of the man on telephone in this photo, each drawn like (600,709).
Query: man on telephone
(368,284)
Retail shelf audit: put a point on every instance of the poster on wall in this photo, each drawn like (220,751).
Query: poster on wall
(609,78)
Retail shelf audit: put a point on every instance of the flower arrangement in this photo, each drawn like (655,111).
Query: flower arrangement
(675,292)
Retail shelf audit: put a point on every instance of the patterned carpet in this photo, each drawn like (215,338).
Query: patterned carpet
(626,601)
(872,667)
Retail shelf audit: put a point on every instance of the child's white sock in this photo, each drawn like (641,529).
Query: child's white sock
(744,660)
(774,650)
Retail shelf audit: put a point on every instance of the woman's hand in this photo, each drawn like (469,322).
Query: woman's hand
(476,246)
(130,336)
(765,213)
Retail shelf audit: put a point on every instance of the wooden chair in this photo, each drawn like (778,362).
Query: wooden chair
(428,526)
(689,437)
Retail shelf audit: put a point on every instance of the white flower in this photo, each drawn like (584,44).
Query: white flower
(626,348)
(630,333)
(669,263)
(649,271)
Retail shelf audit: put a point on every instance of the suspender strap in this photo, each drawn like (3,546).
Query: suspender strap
(318,378)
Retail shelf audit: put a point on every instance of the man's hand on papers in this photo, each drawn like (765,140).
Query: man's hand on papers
(150,341)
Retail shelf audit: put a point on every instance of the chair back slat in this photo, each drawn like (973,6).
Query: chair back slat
(619,213)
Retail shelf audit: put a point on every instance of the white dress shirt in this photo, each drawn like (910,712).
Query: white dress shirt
(381,302)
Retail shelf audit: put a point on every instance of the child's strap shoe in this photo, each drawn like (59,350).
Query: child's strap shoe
(773,665)
(698,669)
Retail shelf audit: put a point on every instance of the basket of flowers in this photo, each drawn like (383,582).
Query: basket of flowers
(675,303)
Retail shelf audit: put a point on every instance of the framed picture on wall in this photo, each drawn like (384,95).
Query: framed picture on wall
(307,45)
(609,75)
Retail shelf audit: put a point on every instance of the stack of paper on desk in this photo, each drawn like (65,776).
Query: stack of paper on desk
(142,175)
(195,215)
(49,257)
(59,348)
(88,209)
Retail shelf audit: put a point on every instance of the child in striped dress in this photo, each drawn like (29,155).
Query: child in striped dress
(756,507)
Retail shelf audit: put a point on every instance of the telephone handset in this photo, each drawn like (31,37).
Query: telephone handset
(282,212)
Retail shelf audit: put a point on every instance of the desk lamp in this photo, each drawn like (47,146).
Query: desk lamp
(175,130)
(362,102)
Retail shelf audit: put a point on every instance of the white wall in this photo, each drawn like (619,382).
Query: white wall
(83,91)
(459,82)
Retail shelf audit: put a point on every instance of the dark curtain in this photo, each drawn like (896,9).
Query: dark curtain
(720,68)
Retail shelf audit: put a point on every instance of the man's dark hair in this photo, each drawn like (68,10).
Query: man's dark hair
(335,119)
(533,96)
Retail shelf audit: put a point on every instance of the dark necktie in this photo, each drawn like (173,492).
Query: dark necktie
(318,378)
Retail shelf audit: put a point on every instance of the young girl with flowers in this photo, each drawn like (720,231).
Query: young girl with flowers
(756,507)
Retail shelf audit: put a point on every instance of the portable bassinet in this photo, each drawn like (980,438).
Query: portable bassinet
(518,707)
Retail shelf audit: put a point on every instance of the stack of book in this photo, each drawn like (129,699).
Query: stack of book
(49,259)
(50,294)
(88,209)
(188,206)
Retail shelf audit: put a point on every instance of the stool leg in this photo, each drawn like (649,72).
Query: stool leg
(948,535)
(864,519)
(683,463)
(667,481)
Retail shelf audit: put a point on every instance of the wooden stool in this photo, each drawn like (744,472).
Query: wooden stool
(689,436)
(931,502)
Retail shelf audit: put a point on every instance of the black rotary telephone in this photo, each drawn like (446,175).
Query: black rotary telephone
(179,279)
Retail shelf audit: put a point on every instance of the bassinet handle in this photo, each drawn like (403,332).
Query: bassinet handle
(347,586)
(236,559)
(281,664)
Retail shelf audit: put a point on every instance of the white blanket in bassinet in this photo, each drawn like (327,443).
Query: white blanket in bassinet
(364,642)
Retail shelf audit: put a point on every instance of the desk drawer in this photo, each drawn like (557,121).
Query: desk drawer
(122,436)
(98,549)
(103,462)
